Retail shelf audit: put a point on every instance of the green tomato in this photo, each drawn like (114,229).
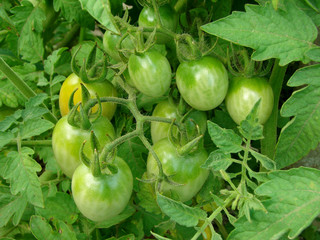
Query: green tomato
(110,42)
(168,18)
(67,141)
(150,73)
(103,89)
(169,110)
(242,95)
(203,83)
(104,197)
(185,170)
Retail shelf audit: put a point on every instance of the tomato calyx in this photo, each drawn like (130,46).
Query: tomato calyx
(89,68)
(95,165)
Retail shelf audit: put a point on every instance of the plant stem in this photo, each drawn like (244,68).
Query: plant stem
(244,162)
(24,88)
(268,143)
(69,37)
(32,143)
(212,217)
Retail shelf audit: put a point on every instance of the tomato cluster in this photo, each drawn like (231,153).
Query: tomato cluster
(200,82)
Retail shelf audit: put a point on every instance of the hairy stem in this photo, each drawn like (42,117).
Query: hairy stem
(268,143)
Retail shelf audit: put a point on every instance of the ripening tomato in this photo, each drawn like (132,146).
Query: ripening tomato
(101,198)
(203,83)
(103,89)
(67,141)
(150,73)
(242,95)
(182,169)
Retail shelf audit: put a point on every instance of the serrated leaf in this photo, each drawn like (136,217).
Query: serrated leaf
(250,128)
(264,160)
(5,138)
(179,212)
(302,133)
(293,205)
(71,10)
(147,197)
(42,230)
(21,171)
(134,152)
(101,11)
(225,139)
(271,33)
(314,54)
(49,64)
(218,160)
(34,127)
(29,22)
(61,206)
(11,206)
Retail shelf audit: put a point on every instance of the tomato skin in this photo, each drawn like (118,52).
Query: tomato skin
(67,141)
(203,83)
(104,197)
(168,17)
(110,41)
(150,72)
(243,93)
(103,89)
(184,169)
(166,109)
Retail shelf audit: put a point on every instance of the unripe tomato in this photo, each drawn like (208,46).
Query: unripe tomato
(203,83)
(103,89)
(150,72)
(168,18)
(242,95)
(67,141)
(104,197)
(183,169)
(110,41)
(166,109)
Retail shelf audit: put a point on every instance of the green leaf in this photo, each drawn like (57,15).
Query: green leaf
(28,21)
(179,212)
(134,152)
(71,10)
(61,207)
(314,54)
(5,138)
(11,206)
(218,160)
(271,33)
(264,160)
(21,171)
(101,11)
(34,127)
(250,128)
(225,139)
(293,205)
(49,64)
(42,230)
(157,236)
(302,133)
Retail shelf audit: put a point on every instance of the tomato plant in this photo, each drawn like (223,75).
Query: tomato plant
(243,93)
(102,197)
(103,89)
(203,83)
(150,72)
(182,169)
(67,141)
(170,110)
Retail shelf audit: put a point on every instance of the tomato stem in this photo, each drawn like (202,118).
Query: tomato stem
(268,143)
